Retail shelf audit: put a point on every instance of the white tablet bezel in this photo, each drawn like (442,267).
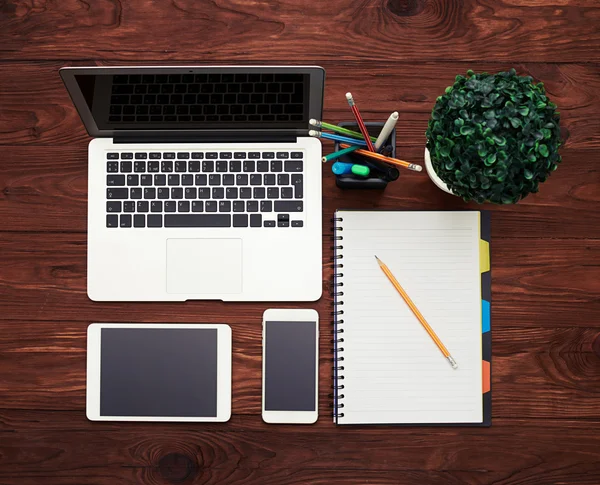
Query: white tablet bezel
(223,373)
(285,316)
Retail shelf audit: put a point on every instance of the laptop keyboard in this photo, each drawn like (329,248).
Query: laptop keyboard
(204,189)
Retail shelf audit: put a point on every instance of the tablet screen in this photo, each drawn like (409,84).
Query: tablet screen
(158,372)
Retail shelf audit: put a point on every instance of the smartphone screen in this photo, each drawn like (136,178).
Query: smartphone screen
(290,366)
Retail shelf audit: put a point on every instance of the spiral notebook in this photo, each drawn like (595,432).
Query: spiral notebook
(388,370)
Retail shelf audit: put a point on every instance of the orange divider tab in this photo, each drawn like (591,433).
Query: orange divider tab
(486,376)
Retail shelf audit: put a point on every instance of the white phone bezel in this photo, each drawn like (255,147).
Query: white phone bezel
(223,373)
(291,417)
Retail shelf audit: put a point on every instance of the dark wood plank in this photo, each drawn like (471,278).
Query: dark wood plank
(392,30)
(36,109)
(45,189)
(539,371)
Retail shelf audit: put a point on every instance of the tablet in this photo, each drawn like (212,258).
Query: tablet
(158,372)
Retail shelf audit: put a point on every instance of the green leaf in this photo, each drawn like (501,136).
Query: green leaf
(543,150)
(523,110)
(459,122)
(528,174)
(515,122)
(467,130)
(490,159)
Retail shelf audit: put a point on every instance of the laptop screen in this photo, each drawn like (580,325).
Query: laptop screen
(165,99)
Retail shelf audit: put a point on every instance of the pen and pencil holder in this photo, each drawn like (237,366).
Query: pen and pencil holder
(377,179)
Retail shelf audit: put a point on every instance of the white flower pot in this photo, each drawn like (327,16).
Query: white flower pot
(433,176)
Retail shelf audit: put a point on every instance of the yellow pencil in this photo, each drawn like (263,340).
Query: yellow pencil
(417,313)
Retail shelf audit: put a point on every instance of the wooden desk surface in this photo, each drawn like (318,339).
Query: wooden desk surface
(393,55)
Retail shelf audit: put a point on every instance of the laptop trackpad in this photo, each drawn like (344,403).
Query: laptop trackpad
(204,266)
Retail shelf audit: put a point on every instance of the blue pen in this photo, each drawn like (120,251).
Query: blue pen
(343,139)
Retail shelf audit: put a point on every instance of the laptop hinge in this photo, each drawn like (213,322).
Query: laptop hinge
(209,138)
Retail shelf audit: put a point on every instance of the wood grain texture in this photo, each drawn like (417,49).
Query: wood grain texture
(393,55)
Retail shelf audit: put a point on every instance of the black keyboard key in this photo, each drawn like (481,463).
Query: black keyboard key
(197,206)
(113,206)
(187,179)
(297,182)
(239,155)
(259,193)
(262,166)
(166,167)
(214,179)
(153,166)
(149,193)
(287,192)
(231,193)
(218,193)
(269,179)
(255,220)
(163,193)
(269,224)
(160,180)
(241,179)
(169,156)
(146,179)
(143,206)
(249,166)
(126,167)
(273,193)
(256,179)
(127,156)
(235,166)
(156,206)
(115,180)
(276,166)
(112,220)
(155,156)
(221,166)
(239,206)
(212,155)
(246,193)
(283,155)
(283,223)
(197,155)
(112,156)
(170,206)
(266,206)
(194,166)
(181,166)
(117,193)
(173,179)
(190,192)
(141,156)
(200,179)
(155,220)
(289,206)
(226,155)
(135,193)
(297,155)
(268,155)
(224,206)
(183,206)
(112,167)
(208,166)
(125,220)
(211,206)
(252,206)
(183,155)
(176,193)
(254,155)
(240,220)
(228,179)
(293,166)
(133,180)
(204,193)
(129,206)
(297,223)
(283,179)
(139,220)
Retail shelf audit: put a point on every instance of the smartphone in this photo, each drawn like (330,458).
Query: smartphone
(290,378)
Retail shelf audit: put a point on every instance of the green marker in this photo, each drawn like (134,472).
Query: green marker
(361,170)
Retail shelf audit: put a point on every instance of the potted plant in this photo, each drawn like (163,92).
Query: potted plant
(492,137)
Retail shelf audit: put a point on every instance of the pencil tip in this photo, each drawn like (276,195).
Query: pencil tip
(377,258)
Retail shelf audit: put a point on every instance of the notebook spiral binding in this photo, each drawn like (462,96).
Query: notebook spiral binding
(338,330)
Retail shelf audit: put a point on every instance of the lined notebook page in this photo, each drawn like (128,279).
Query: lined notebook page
(393,371)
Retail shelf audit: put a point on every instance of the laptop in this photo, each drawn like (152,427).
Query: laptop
(203,182)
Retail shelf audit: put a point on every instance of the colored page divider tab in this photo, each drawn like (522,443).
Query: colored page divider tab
(485,316)
(484,256)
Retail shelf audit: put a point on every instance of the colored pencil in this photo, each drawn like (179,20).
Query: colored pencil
(339,129)
(393,161)
(331,136)
(416,312)
(359,121)
(340,153)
